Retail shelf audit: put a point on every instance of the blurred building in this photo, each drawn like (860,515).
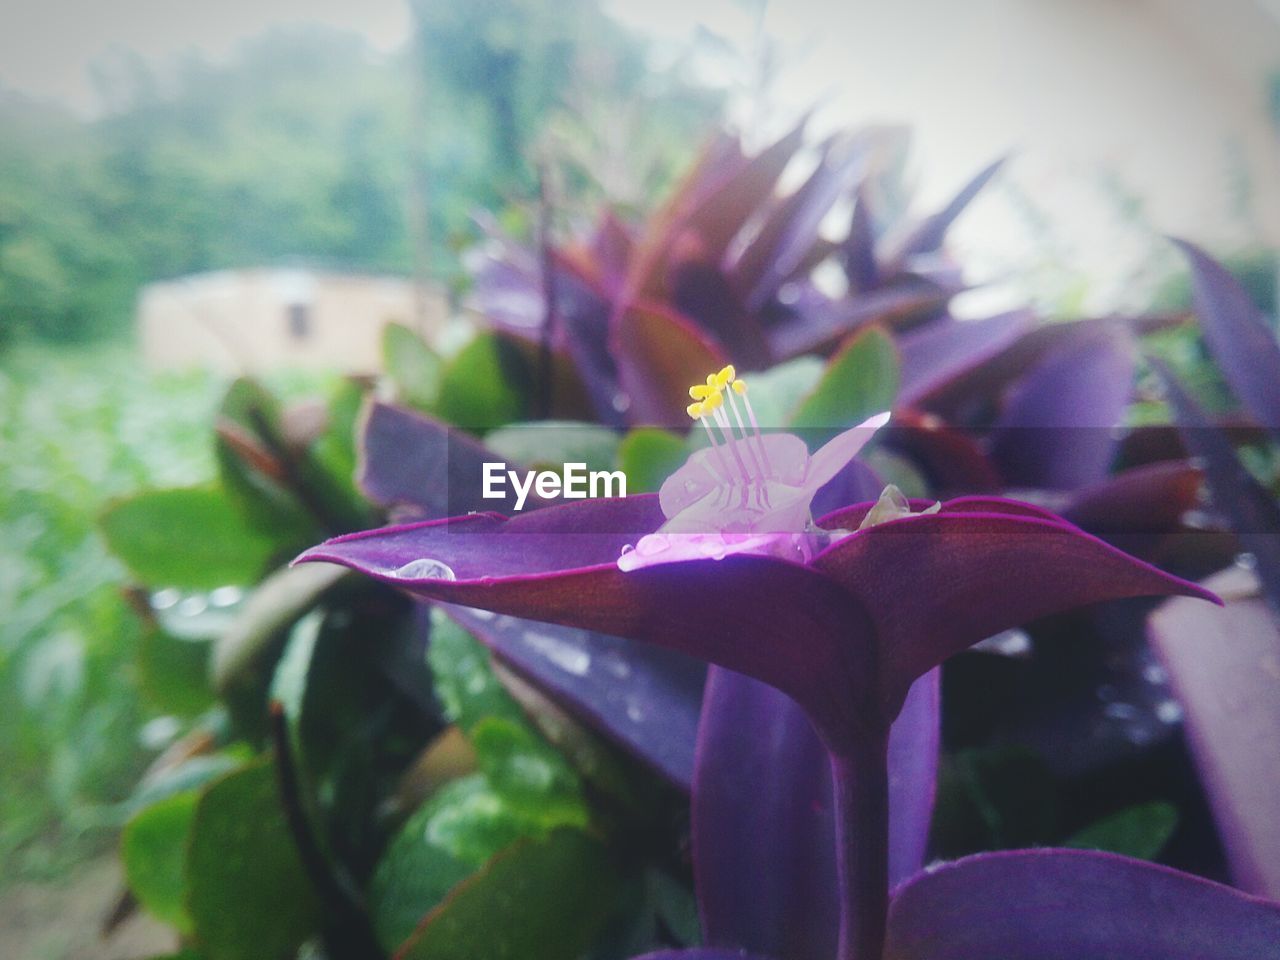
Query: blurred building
(254,320)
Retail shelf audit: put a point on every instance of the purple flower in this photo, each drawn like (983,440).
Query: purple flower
(747,492)
(840,614)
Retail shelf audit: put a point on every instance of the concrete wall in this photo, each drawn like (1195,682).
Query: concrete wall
(250,321)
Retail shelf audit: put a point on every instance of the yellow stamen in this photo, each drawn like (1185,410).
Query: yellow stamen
(725,376)
(694,410)
(714,402)
(739,387)
(700,391)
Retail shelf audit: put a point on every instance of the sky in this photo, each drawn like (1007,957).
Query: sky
(47,48)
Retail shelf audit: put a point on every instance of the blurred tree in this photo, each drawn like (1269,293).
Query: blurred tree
(308,145)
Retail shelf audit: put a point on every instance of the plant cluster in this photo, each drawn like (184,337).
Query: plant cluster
(736,710)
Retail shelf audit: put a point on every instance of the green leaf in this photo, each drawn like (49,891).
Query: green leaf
(528,773)
(413,367)
(675,905)
(247,894)
(174,673)
(893,468)
(776,393)
(648,455)
(532,777)
(1141,831)
(537,900)
(327,469)
(524,789)
(278,602)
(192,538)
(443,843)
(550,444)
(351,727)
(153,848)
(994,798)
(188,775)
(465,684)
(860,380)
(484,386)
(246,448)
(289,684)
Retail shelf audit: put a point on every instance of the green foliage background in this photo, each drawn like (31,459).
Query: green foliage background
(76,428)
(308,146)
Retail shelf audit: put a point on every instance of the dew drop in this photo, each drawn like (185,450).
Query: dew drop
(621,402)
(627,548)
(1154,673)
(1246,561)
(192,606)
(424,569)
(164,599)
(225,596)
(1169,711)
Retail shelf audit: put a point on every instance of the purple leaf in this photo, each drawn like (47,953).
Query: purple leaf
(854,484)
(763,809)
(1239,336)
(763,824)
(1254,515)
(980,573)
(1072,905)
(1224,666)
(792,228)
(420,467)
(859,248)
(1057,427)
(927,237)
(642,697)
(1149,499)
(700,953)
(950,459)
(723,211)
(855,606)
(610,250)
(701,291)
(507,288)
(718,162)
(583,315)
(810,321)
(659,354)
(556,565)
(914,740)
(937,354)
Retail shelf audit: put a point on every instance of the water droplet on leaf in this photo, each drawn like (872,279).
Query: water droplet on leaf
(425,569)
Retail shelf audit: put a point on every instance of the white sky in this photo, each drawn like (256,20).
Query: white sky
(47,47)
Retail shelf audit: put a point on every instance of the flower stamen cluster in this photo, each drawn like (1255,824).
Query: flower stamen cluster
(709,408)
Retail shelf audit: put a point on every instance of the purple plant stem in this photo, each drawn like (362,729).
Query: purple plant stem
(860,772)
